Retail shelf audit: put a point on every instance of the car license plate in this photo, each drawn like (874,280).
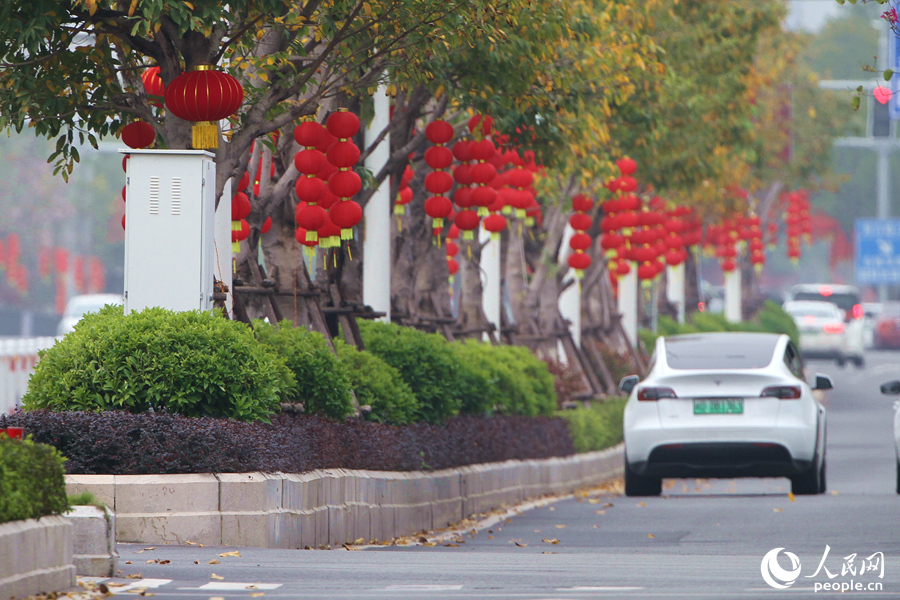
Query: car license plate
(719,406)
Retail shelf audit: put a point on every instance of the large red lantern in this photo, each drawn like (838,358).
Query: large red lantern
(438,208)
(138,134)
(205,96)
(346,215)
(467,222)
(342,124)
(439,132)
(494,224)
(579,261)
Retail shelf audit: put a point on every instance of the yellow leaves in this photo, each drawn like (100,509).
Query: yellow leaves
(367,9)
(91,5)
(132,8)
(189,5)
(236,553)
(214,576)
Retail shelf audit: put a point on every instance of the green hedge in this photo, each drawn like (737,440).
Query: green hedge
(32,480)
(322,383)
(426,362)
(770,318)
(597,427)
(378,385)
(189,363)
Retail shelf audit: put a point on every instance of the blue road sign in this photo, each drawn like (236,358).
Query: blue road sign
(877,251)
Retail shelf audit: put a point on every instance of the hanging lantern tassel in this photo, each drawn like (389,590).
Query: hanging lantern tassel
(235,244)
(205,134)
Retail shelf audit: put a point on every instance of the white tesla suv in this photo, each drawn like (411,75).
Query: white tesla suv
(724,405)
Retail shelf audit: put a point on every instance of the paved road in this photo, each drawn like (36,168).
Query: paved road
(701,539)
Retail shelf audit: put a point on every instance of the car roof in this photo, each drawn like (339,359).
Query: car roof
(838,288)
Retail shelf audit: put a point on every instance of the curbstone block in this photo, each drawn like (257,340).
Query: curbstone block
(166,493)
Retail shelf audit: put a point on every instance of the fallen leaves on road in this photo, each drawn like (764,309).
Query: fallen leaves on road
(651,536)
(553,541)
(235,553)
(217,577)
(133,576)
(791,496)
(213,562)
(560,526)
(777,509)
(521,544)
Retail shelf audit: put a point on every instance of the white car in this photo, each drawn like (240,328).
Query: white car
(729,404)
(846,298)
(893,388)
(822,328)
(78,306)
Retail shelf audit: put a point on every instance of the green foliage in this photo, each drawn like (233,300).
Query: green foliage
(322,383)
(85,499)
(425,361)
(378,385)
(189,363)
(770,318)
(32,480)
(597,427)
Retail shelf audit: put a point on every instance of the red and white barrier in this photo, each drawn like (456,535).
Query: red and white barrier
(18,356)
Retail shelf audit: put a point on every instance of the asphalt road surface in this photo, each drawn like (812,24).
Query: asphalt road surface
(701,539)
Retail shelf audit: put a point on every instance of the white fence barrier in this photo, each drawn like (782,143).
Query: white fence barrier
(17,359)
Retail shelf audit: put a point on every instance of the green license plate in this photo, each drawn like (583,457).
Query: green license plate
(724,406)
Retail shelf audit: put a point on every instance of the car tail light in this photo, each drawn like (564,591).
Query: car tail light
(858,311)
(833,328)
(783,392)
(655,393)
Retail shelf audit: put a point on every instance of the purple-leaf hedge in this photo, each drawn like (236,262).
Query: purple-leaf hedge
(122,443)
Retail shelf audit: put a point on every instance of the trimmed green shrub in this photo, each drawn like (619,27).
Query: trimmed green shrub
(32,480)
(425,361)
(378,385)
(597,427)
(536,373)
(322,383)
(770,318)
(189,363)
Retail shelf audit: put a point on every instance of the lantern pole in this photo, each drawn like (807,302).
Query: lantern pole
(570,299)
(377,214)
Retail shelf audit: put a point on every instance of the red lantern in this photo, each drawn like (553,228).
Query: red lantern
(580,241)
(266,226)
(627,166)
(581,203)
(309,161)
(346,214)
(242,231)
(483,150)
(647,271)
(438,208)
(483,173)
(579,261)
(463,174)
(438,157)
(462,150)
(240,206)
(438,182)
(343,154)
(494,223)
(453,267)
(311,218)
(467,222)
(439,132)
(309,133)
(310,189)
(205,96)
(138,134)
(345,184)
(580,222)
(329,235)
(342,124)
(627,183)
(153,85)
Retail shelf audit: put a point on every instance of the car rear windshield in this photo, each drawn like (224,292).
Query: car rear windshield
(722,351)
(844,301)
(813,309)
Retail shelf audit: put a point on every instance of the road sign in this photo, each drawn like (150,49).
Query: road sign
(877,251)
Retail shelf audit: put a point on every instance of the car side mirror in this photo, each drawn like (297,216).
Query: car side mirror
(823,382)
(891,387)
(628,382)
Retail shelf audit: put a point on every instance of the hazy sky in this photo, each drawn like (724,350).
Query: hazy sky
(810,15)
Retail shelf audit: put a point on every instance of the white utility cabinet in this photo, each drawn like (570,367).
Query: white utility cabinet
(170,227)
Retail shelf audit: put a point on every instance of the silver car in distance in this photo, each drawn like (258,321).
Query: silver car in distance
(729,404)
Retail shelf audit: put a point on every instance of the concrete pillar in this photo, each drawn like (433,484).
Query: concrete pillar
(675,288)
(490,279)
(627,302)
(377,215)
(733,300)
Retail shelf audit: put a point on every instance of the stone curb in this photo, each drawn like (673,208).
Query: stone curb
(95,541)
(327,506)
(36,556)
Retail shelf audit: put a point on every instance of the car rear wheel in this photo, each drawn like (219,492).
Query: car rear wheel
(641,485)
(810,482)
(859,362)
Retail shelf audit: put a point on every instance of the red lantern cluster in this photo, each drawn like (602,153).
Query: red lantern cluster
(240,210)
(452,251)
(580,242)
(16,272)
(310,186)
(797,221)
(439,182)
(345,183)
